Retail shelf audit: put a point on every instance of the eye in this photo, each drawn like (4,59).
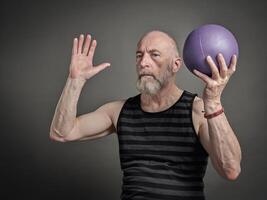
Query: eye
(138,55)
(155,55)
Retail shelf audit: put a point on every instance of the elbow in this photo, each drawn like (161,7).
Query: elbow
(228,170)
(233,173)
(56,137)
(232,176)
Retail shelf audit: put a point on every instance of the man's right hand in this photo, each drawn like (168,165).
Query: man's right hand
(81,66)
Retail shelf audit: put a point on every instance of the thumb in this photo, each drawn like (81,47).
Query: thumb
(200,75)
(91,72)
(100,67)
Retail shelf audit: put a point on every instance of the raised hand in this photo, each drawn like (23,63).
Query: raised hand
(219,79)
(81,65)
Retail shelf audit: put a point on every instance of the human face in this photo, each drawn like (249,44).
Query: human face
(153,63)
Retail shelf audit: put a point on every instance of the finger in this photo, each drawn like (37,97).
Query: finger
(87,44)
(80,45)
(202,76)
(232,66)
(92,50)
(223,66)
(213,67)
(101,67)
(74,46)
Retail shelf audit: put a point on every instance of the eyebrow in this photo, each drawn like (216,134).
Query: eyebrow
(150,51)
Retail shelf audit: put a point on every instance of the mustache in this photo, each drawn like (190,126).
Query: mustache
(146,74)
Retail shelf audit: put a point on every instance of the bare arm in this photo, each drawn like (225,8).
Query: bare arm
(65,126)
(219,140)
(216,134)
(64,119)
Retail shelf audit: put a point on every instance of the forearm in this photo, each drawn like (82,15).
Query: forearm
(66,109)
(226,150)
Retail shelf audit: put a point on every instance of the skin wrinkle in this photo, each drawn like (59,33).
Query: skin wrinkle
(172,41)
(221,146)
(226,161)
(148,86)
(158,92)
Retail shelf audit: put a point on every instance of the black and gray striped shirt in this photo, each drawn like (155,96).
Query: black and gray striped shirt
(160,153)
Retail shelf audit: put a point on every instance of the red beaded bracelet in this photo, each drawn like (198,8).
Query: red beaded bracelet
(214,114)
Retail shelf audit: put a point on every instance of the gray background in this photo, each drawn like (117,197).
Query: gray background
(36,40)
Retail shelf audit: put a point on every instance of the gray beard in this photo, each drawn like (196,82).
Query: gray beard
(154,84)
(150,87)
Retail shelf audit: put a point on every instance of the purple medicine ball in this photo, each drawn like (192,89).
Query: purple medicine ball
(209,39)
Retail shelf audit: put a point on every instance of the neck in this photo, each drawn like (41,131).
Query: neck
(166,97)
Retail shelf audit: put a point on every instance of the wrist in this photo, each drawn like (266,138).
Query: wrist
(212,106)
(75,83)
(211,115)
(76,80)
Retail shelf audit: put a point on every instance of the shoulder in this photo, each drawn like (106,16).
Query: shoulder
(198,105)
(112,110)
(113,106)
(117,105)
(197,113)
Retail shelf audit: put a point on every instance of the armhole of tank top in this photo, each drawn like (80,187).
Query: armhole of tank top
(191,116)
(127,100)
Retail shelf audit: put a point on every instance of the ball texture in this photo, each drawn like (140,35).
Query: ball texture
(209,39)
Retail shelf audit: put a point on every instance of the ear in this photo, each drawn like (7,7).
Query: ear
(177,63)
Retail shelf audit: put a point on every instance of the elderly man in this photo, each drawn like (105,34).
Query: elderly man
(165,134)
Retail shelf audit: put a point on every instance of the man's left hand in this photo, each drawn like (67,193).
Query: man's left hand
(217,82)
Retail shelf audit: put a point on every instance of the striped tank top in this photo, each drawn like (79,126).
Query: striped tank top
(161,156)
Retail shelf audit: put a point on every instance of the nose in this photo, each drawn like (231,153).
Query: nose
(144,61)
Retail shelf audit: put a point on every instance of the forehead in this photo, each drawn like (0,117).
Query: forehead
(158,41)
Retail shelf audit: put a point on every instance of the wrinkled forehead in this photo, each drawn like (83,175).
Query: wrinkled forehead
(154,41)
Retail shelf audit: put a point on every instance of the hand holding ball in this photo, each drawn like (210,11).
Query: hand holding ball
(210,39)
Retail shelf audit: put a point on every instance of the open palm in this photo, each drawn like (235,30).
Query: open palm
(82,58)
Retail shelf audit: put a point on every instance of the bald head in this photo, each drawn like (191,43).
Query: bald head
(162,37)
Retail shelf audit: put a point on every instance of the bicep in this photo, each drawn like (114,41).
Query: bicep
(204,137)
(200,124)
(92,125)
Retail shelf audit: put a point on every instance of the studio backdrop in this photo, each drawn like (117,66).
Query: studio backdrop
(36,41)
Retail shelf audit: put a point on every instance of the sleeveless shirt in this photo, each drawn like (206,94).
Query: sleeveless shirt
(161,156)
